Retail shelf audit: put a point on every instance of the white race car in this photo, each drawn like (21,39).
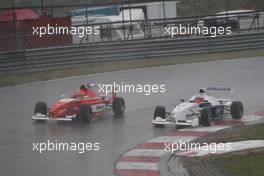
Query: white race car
(212,103)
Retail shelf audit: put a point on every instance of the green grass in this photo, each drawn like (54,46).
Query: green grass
(14,79)
(251,132)
(242,163)
(250,164)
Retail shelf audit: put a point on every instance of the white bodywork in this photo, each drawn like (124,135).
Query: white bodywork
(39,116)
(188,112)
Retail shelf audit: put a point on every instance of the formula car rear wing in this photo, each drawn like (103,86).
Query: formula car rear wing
(222,93)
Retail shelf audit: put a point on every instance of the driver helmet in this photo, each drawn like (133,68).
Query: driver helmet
(202,90)
(82,87)
(199,99)
(89,86)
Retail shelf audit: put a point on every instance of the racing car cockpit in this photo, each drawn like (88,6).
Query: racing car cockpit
(196,99)
(85,92)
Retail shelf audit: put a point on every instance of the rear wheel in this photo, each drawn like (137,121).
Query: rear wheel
(118,106)
(237,110)
(86,113)
(41,108)
(205,119)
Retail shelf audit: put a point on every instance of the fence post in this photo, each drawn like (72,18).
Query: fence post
(194,9)
(15,26)
(86,20)
(52,10)
(130,18)
(257,9)
(41,7)
(226,13)
(238,21)
(164,13)
(124,30)
(195,13)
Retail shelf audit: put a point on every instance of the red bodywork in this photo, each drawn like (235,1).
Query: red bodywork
(71,106)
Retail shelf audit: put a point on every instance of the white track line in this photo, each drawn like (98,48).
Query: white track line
(146,152)
(233,146)
(137,165)
(207,129)
(174,139)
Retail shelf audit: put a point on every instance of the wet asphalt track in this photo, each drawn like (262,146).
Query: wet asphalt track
(116,135)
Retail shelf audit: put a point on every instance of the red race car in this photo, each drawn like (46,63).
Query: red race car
(83,105)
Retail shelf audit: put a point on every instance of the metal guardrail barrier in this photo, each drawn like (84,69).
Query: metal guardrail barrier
(32,60)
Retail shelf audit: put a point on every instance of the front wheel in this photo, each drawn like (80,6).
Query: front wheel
(160,111)
(86,113)
(41,108)
(237,110)
(118,106)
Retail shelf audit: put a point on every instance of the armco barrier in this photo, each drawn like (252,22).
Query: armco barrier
(71,56)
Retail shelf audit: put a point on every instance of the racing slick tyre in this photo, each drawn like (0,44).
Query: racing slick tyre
(237,110)
(205,119)
(160,111)
(41,107)
(118,106)
(85,113)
